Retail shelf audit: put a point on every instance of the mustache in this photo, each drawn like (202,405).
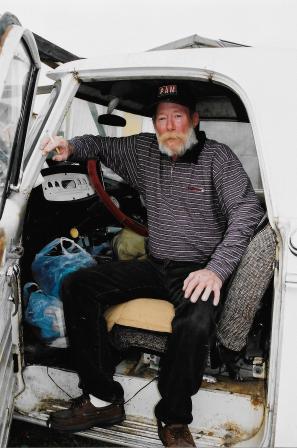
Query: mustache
(172,135)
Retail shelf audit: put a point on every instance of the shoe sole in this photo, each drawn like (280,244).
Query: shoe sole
(76,428)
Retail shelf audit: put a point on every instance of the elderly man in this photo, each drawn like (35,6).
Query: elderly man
(202,212)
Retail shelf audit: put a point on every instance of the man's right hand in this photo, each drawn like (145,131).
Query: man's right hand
(58,144)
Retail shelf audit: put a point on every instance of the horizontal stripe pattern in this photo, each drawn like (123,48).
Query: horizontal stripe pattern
(200,209)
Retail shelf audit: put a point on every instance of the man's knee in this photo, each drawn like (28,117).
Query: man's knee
(197,320)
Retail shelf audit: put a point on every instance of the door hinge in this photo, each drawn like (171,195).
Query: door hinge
(13,275)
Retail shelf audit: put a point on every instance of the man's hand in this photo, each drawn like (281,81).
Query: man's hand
(202,280)
(59,144)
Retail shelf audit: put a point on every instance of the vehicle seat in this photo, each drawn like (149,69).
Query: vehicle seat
(145,323)
(142,323)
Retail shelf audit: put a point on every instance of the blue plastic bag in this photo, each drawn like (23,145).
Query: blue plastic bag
(56,260)
(44,312)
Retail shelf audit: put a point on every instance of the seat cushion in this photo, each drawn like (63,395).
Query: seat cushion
(148,314)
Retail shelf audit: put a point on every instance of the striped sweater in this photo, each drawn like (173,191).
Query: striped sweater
(201,207)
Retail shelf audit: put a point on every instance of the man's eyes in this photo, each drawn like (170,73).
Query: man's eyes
(164,118)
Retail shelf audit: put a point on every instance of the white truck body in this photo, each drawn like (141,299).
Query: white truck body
(261,78)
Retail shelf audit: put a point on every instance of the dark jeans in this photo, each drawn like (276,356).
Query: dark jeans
(88,292)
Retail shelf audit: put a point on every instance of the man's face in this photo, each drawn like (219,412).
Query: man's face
(174,128)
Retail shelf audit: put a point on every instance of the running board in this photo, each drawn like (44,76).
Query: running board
(131,433)
(137,434)
(224,412)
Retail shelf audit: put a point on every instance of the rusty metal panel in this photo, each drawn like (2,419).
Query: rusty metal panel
(225,412)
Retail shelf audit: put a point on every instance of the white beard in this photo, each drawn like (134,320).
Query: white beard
(191,140)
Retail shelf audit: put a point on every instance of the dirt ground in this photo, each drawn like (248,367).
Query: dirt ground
(24,435)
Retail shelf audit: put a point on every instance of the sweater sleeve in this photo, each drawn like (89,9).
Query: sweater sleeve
(241,207)
(119,154)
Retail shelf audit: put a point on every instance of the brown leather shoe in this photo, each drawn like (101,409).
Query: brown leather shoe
(176,435)
(82,414)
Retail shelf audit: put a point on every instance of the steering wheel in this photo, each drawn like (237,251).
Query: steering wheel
(123,219)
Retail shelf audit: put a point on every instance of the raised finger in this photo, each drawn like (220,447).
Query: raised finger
(45,143)
(50,146)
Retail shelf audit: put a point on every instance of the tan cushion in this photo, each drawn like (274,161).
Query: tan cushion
(148,314)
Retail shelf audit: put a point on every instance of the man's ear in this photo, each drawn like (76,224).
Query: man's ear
(195,119)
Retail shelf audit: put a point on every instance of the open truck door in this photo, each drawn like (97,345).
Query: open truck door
(233,106)
(19,68)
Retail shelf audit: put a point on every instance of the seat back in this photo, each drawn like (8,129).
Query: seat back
(246,290)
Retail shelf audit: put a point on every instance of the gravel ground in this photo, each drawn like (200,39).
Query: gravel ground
(24,435)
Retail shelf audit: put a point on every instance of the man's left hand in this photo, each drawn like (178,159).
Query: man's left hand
(204,281)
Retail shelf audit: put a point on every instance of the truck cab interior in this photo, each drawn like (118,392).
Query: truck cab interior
(57,206)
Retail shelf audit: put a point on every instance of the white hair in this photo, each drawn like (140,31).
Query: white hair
(191,140)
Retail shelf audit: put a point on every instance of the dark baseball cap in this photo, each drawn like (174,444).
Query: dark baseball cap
(173,92)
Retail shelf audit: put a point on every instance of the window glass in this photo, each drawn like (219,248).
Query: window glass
(10,107)
(82,118)
(239,137)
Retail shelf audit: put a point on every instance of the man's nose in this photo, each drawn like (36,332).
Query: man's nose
(170,124)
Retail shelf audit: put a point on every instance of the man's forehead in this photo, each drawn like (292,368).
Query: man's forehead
(164,107)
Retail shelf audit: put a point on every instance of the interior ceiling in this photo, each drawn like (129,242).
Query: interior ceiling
(136,96)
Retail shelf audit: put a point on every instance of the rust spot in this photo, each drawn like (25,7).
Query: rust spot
(233,434)
(4,36)
(257,401)
(2,244)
